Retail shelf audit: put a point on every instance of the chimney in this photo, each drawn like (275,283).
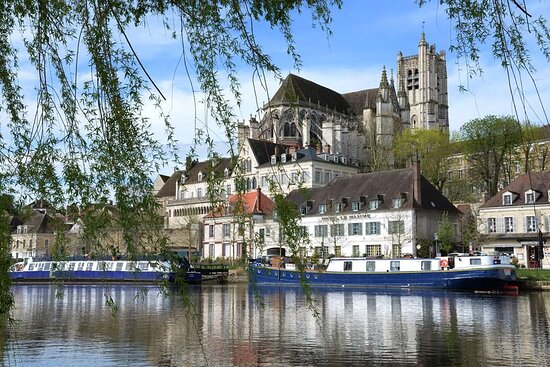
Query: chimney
(416,181)
(259,199)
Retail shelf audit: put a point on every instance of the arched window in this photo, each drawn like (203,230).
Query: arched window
(254,183)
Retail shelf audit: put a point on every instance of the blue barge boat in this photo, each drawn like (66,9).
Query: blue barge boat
(90,271)
(478,273)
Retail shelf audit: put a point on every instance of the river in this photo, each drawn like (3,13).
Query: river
(242,325)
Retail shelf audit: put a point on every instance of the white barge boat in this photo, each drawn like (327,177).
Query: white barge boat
(30,270)
(481,273)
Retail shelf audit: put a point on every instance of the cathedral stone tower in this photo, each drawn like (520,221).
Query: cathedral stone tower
(423,79)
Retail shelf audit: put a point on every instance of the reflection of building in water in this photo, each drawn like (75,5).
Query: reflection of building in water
(389,327)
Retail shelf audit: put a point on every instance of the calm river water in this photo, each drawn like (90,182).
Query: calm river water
(241,325)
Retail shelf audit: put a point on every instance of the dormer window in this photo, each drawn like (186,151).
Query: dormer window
(397,203)
(283,158)
(355,206)
(507,199)
(374,204)
(200,176)
(322,208)
(273,159)
(339,207)
(530,197)
(226,172)
(303,210)
(294,157)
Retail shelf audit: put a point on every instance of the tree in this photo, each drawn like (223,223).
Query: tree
(432,147)
(446,234)
(487,142)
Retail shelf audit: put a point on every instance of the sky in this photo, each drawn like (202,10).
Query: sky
(366,36)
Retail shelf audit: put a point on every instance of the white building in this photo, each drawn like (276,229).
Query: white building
(511,219)
(383,213)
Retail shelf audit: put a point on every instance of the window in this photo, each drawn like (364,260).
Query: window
(355,206)
(371,266)
(373,250)
(273,159)
(394,265)
(475,261)
(303,210)
(372,228)
(355,250)
(509,224)
(318,176)
(347,265)
(200,176)
(338,250)
(355,229)
(261,234)
(199,192)
(396,227)
(321,230)
(228,189)
(226,229)
(397,203)
(211,231)
(426,265)
(302,252)
(529,197)
(339,208)
(396,248)
(303,231)
(507,199)
(531,223)
(492,225)
(211,250)
(90,265)
(322,208)
(328,177)
(374,204)
(294,178)
(336,230)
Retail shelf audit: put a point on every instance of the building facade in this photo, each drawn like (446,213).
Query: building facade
(512,219)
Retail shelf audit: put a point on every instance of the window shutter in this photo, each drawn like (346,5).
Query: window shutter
(525,224)
(350,229)
(367,229)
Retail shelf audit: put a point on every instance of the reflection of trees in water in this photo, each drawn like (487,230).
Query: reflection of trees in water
(408,327)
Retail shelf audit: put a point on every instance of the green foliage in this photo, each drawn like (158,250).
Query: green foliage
(431,147)
(487,142)
(446,234)
(534,274)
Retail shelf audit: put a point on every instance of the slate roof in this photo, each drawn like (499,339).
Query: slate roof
(263,150)
(38,222)
(362,99)
(169,187)
(539,181)
(295,89)
(390,184)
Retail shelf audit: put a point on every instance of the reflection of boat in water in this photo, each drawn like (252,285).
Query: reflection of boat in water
(482,272)
(99,271)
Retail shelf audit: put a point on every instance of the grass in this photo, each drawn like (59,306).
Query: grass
(534,274)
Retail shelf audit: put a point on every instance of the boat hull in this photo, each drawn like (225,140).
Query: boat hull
(100,276)
(489,279)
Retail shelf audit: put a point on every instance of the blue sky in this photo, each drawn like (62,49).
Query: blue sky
(366,37)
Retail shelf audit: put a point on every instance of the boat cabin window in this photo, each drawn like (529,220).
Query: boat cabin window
(89,266)
(40,266)
(119,266)
(426,265)
(71,266)
(371,265)
(394,265)
(142,265)
(80,266)
(31,266)
(47,266)
(475,261)
(347,265)
(130,266)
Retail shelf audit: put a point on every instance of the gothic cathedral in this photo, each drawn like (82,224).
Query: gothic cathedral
(361,125)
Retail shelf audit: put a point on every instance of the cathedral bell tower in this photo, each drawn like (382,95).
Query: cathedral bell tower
(422,85)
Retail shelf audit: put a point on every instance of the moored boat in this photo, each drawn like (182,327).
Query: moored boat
(480,273)
(30,270)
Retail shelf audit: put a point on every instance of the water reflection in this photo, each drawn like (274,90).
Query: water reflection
(230,327)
